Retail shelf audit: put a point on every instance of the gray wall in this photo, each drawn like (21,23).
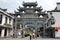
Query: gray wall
(57,17)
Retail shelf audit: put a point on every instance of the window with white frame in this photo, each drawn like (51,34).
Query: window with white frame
(0,19)
(9,20)
(5,19)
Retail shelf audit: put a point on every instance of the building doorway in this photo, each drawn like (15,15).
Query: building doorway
(5,32)
(0,32)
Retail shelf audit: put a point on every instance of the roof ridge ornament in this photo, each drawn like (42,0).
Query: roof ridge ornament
(29,3)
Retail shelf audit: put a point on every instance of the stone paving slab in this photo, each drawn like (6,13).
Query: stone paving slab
(27,38)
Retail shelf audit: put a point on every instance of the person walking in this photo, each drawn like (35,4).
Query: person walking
(33,34)
(30,36)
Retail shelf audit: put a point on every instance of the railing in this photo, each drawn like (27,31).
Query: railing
(7,25)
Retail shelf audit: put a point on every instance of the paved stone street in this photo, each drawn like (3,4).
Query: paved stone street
(27,38)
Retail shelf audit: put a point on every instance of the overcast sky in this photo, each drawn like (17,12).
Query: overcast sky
(12,5)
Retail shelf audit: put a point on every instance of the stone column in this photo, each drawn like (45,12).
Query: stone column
(15,31)
(44,27)
(22,31)
(36,29)
(2,32)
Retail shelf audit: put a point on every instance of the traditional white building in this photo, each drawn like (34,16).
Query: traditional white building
(6,23)
(56,14)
